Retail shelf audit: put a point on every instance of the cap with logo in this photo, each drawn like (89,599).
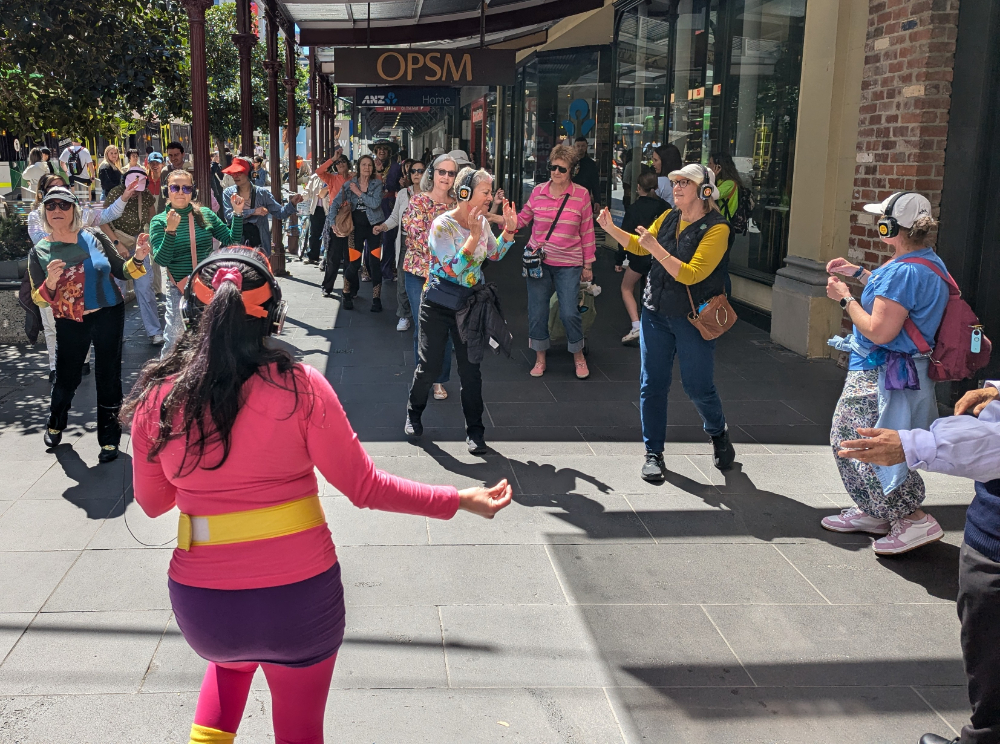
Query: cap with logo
(154,157)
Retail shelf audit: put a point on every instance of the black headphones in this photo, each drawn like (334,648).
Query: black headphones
(464,190)
(191,308)
(705,188)
(888,227)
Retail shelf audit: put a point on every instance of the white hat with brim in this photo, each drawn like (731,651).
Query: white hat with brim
(460,158)
(696,173)
(907,208)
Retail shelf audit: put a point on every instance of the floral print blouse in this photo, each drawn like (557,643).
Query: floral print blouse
(417,225)
(449,259)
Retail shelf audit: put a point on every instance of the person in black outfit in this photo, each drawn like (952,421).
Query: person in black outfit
(585,172)
(640,213)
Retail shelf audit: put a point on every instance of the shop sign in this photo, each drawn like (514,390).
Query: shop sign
(477,115)
(403,109)
(430,67)
(651,96)
(405,96)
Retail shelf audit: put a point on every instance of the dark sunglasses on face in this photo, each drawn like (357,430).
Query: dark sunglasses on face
(449,173)
(174,189)
(418,171)
(62,206)
(560,168)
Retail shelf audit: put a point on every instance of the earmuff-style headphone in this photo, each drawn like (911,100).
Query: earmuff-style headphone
(888,227)
(464,191)
(191,308)
(705,188)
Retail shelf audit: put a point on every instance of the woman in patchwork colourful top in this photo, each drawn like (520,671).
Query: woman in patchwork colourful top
(71,271)
(460,241)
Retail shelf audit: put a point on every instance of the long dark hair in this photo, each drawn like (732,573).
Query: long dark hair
(208,368)
(670,159)
(727,168)
(45,183)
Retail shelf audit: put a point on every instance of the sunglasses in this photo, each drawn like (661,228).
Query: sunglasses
(449,173)
(418,171)
(62,206)
(175,189)
(560,168)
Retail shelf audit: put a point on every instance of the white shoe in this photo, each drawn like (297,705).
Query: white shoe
(631,337)
(403,324)
(907,534)
(855,520)
(156,340)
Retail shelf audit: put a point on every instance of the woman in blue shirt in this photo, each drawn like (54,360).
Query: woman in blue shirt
(887,384)
(460,241)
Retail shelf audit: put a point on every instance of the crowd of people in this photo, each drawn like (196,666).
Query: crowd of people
(220,391)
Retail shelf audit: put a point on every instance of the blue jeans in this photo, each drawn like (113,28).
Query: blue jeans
(174,322)
(565,282)
(660,339)
(145,295)
(414,288)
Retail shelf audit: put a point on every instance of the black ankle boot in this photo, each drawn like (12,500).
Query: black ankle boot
(723,453)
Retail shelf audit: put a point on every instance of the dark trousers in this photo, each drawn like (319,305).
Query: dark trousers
(979,611)
(104,329)
(364,239)
(336,251)
(437,324)
(316,222)
(388,262)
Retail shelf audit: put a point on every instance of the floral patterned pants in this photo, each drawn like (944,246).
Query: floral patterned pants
(858,409)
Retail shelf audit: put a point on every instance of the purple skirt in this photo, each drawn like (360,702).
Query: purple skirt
(294,625)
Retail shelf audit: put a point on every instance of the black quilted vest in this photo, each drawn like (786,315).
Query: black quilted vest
(664,294)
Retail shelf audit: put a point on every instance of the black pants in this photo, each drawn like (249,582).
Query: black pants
(979,611)
(366,243)
(436,324)
(316,222)
(336,252)
(104,329)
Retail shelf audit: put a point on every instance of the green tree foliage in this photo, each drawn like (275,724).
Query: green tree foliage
(84,68)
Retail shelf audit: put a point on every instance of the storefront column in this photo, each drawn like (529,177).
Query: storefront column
(245,41)
(313,78)
(199,93)
(291,132)
(272,65)
(802,317)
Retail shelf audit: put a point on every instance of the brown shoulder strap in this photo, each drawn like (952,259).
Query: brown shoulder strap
(194,254)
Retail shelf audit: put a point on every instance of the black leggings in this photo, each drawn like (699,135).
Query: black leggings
(316,221)
(104,328)
(336,252)
(372,256)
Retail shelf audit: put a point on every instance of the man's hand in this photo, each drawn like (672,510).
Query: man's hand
(880,447)
(976,400)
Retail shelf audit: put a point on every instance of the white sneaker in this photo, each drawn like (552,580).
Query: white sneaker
(631,337)
(156,340)
(403,324)
(855,520)
(907,534)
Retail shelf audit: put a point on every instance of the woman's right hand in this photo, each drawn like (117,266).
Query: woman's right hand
(53,272)
(841,266)
(604,219)
(173,220)
(475,224)
(486,501)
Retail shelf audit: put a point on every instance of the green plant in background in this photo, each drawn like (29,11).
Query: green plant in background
(14,240)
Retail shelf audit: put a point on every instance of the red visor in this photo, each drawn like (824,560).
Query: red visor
(238,166)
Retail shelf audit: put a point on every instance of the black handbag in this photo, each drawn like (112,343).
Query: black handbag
(251,232)
(446,294)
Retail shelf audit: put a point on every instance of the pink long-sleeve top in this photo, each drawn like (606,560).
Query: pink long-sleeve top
(275,445)
(572,242)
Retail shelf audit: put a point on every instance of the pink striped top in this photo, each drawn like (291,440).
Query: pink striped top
(572,242)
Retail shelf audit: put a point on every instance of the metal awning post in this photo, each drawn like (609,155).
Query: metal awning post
(482,24)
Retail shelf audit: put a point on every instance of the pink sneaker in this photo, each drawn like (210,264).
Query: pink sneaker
(855,520)
(907,534)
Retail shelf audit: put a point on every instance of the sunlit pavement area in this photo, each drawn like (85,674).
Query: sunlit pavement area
(597,608)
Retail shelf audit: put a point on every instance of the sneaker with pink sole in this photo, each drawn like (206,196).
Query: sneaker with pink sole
(855,520)
(907,534)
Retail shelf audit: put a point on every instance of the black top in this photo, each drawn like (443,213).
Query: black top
(110,177)
(585,174)
(640,213)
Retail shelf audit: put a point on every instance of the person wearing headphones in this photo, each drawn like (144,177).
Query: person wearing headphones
(887,386)
(689,245)
(255,580)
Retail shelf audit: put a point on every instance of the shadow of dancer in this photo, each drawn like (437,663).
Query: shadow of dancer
(99,490)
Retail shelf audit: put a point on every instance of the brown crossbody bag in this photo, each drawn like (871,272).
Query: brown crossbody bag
(714,317)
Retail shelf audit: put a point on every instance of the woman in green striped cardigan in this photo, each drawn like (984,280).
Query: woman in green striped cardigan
(171,236)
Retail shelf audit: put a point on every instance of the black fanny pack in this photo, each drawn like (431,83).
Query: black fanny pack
(446,294)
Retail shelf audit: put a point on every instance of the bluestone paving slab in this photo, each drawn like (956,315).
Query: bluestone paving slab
(449,574)
(519,646)
(82,653)
(949,702)
(51,524)
(684,517)
(27,579)
(463,471)
(602,474)
(5,505)
(350,525)
(12,625)
(77,476)
(608,413)
(680,574)
(17,476)
(897,644)
(110,580)
(783,474)
(780,715)
(174,667)
(157,533)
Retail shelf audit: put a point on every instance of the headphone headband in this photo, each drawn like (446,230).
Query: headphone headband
(196,289)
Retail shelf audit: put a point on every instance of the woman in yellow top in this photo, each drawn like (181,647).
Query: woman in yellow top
(689,245)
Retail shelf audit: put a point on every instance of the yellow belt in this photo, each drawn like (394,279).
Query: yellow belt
(254,524)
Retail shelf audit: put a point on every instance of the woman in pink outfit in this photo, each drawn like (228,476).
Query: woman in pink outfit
(229,430)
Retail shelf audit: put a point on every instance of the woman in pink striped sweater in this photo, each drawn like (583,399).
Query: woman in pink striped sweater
(230,431)
(563,230)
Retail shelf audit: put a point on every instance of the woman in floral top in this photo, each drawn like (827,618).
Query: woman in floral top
(436,197)
(460,242)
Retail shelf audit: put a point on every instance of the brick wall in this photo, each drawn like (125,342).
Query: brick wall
(903,118)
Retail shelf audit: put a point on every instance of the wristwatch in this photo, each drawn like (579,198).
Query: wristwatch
(844,302)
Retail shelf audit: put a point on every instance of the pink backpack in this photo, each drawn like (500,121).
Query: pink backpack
(956,354)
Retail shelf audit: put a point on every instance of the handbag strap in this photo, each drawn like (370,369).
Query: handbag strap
(694,310)
(558,214)
(194,253)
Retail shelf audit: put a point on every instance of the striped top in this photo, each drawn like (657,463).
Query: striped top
(572,242)
(173,252)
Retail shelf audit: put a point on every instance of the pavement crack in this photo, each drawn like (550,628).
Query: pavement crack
(729,645)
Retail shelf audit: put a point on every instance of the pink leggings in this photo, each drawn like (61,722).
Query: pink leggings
(298,698)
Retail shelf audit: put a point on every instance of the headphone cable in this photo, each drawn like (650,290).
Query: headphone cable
(125,490)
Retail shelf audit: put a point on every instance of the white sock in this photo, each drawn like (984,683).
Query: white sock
(635,325)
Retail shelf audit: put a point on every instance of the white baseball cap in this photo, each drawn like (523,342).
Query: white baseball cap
(905,210)
(460,158)
(696,173)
